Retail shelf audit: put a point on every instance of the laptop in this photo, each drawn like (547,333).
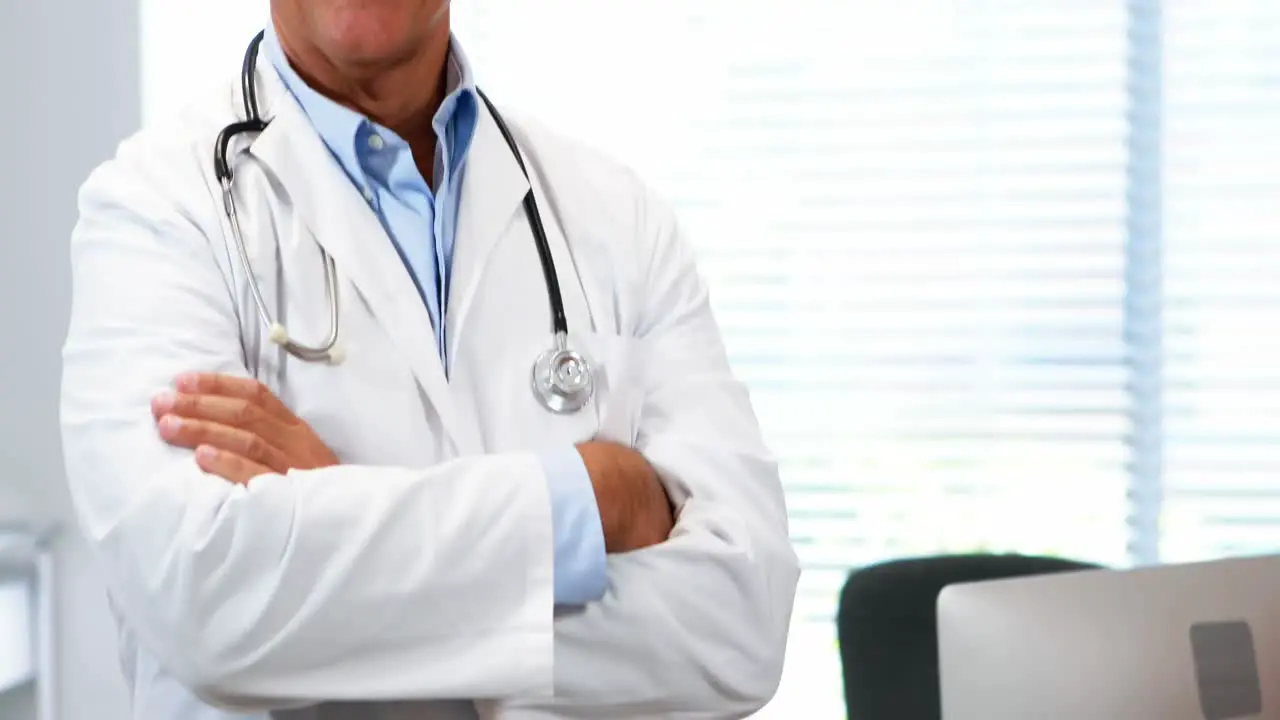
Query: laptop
(1177,642)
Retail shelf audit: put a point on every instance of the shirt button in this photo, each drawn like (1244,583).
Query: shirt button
(376,142)
(368,194)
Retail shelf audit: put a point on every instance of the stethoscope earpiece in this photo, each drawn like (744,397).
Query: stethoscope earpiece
(278,334)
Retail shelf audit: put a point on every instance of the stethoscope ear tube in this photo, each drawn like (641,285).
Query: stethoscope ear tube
(253,122)
(248,78)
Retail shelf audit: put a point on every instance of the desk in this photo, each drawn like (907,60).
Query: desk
(26,614)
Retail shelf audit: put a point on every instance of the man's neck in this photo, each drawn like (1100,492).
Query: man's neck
(402,94)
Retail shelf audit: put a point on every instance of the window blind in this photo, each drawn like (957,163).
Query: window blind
(1221,278)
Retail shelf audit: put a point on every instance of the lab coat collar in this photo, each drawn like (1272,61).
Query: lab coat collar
(343,224)
(489,210)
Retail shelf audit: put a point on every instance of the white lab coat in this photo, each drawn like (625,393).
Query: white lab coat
(420,569)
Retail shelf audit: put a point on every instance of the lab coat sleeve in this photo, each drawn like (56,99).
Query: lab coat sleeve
(695,627)
(342,583)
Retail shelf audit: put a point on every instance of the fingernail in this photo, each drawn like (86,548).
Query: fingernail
(187,381)
(170,423)
(162,403)
(204,452)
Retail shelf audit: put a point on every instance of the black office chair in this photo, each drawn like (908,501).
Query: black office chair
(887,625)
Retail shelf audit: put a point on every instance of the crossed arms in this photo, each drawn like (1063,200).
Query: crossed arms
(258,594)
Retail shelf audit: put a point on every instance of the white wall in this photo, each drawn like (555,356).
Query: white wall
(71,93)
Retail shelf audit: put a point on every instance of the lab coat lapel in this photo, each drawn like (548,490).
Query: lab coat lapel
(490,207)
(343,224)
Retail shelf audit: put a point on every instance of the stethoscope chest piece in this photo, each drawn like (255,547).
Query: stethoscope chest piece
(562,379)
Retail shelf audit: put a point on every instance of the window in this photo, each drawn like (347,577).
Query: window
(1000,275)
(1221,278)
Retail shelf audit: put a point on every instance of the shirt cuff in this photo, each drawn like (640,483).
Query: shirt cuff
(581,574)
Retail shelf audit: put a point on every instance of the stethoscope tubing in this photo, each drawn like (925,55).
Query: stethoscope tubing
(559,322)
(562,379)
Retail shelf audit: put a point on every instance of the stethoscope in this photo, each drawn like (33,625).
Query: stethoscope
(562,378)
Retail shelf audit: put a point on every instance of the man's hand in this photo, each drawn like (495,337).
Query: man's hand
(237,427)
(634,509)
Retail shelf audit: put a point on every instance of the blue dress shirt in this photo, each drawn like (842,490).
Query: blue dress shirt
(422,224)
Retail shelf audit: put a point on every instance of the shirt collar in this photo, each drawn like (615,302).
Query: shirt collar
(341,127)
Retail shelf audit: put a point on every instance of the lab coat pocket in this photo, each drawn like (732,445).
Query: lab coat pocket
(618,391)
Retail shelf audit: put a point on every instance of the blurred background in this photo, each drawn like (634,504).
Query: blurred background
(1002,275)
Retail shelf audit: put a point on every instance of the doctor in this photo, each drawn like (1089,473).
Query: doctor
(379,404)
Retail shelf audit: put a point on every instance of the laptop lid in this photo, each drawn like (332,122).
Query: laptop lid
(1198,641)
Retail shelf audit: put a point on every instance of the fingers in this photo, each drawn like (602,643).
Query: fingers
(229,411)
(230,386)
(195,434)
(228,466)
